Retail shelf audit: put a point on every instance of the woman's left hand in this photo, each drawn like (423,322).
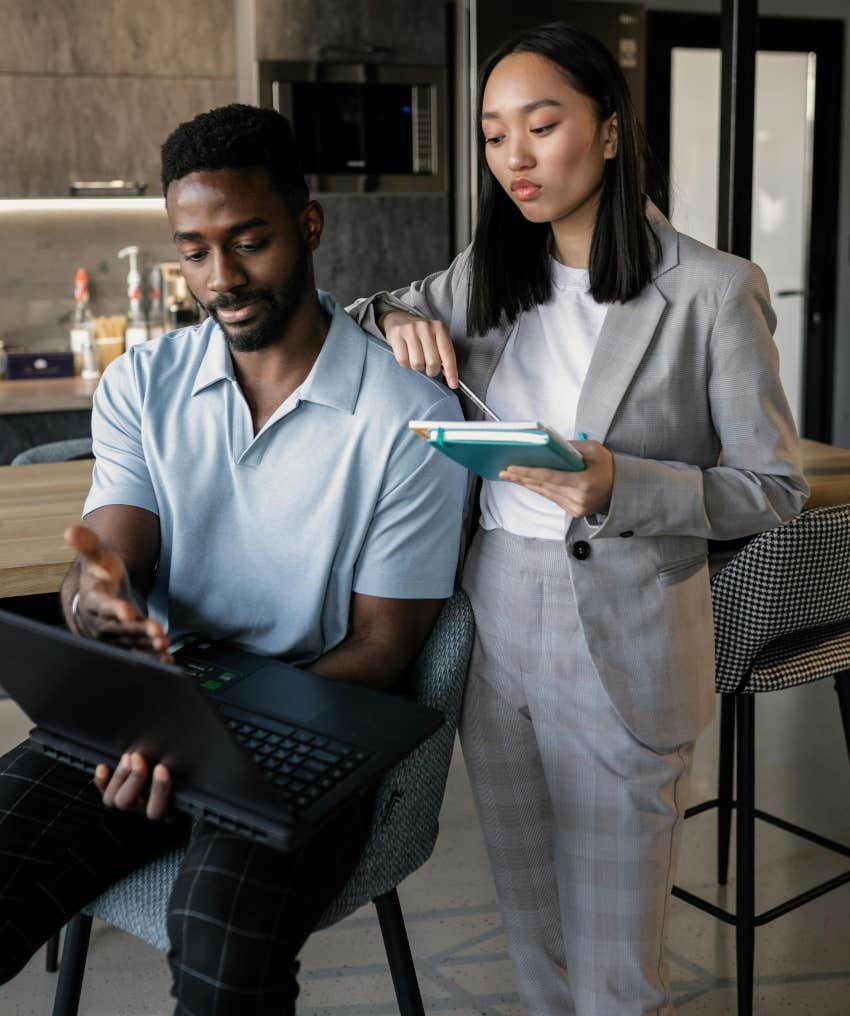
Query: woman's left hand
(584,493)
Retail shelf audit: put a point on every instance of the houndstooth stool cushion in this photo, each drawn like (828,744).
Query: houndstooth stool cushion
(407,808)
(782,605)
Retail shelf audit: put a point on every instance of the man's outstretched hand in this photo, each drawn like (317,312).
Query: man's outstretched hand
(107,608)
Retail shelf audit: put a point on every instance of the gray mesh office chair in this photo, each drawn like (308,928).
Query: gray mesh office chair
(402,838)
(782,618)
(67,450)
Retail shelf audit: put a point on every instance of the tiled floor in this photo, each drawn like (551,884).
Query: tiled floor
(802,961)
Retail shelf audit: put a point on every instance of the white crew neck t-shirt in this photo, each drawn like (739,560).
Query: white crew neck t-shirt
(539,377)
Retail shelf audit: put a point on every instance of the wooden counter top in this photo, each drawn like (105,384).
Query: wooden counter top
(50,395)
(37,503)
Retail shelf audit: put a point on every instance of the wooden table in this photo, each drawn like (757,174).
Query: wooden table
(827,468)
(37,503)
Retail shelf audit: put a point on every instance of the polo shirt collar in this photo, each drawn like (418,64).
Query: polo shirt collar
(216,364)
(338,371)
(335,377)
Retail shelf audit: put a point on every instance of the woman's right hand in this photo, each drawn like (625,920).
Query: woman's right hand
(420,344)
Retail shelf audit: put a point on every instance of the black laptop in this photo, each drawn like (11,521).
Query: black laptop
(253,744)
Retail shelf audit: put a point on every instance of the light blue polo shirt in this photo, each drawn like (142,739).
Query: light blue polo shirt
(264,538)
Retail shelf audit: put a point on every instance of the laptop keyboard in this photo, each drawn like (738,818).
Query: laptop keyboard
(301,765)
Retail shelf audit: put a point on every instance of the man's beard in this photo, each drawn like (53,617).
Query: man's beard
(274,309)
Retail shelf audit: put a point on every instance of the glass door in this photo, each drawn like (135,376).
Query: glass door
(782,179)
(795,175)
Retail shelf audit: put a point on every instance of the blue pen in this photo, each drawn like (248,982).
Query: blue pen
(582,436)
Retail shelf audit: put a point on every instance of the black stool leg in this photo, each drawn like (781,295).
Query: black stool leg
(51,959)
(398,954)
(725,771)
(67,1000)
(842,690)
(745,853)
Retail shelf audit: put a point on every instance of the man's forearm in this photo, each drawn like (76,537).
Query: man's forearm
(385,636)
(366,661)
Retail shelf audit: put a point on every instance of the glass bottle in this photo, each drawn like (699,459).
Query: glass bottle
(83,346)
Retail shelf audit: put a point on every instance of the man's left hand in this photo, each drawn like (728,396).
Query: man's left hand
(124,789)
(587,492)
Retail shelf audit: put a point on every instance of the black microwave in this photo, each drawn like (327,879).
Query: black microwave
(363,127)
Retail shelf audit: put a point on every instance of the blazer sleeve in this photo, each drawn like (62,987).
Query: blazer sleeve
(758,482)
(441,296)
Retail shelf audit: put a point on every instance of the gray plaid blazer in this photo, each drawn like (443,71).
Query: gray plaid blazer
(683,387)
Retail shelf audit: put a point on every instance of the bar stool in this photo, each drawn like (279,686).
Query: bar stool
(782,618)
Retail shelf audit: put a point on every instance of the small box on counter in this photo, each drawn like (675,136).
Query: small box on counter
(26,366)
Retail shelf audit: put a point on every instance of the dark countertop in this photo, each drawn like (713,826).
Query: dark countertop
(50,395)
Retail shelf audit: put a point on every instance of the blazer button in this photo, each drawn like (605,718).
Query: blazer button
(581,550)
(627,534)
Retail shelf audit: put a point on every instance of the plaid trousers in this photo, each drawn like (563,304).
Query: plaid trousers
(239,911)
(581,819)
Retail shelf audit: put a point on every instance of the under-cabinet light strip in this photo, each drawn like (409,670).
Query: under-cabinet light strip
(82,204)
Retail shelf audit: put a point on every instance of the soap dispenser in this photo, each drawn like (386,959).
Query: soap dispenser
(137,329)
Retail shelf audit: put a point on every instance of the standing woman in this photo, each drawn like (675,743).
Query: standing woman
(593,670)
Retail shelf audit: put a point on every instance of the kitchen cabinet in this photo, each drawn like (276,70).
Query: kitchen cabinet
(90,90)
(78,128)
(397,31)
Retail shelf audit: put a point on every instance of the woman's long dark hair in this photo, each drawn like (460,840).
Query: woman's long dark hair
(510,269)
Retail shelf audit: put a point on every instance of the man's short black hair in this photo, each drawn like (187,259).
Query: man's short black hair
(236,137)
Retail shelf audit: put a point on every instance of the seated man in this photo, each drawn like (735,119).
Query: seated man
(254,480)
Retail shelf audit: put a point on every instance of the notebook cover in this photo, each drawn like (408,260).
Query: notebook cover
(489,458)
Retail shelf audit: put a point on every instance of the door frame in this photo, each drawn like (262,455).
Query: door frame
(825,38)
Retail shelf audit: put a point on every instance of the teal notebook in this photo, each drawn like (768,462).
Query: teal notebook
(487,448)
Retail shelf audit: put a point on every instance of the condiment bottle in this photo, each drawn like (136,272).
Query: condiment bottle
(86,360)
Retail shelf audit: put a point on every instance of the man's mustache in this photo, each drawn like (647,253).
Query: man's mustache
(235,302)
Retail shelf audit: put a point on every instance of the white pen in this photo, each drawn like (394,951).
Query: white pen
(470,394)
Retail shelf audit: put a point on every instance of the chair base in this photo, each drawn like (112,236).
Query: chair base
(788,905)
(67,999)
(737,745)
(398,954)
(51,957)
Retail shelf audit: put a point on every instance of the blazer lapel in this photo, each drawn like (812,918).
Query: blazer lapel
(626,334)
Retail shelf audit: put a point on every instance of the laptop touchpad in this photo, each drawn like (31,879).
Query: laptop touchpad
(281,691)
